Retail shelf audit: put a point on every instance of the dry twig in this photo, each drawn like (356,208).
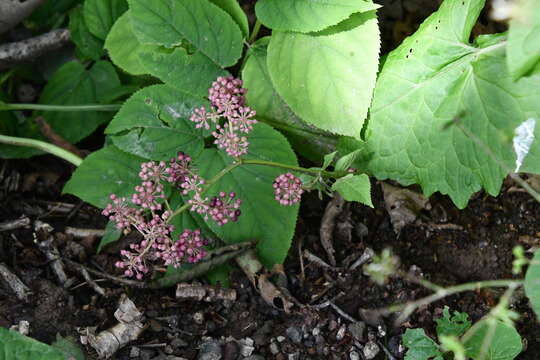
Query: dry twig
(21,222)
(204,292)
(328,222)
(20,290)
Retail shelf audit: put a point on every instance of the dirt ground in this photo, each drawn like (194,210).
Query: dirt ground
(444,245)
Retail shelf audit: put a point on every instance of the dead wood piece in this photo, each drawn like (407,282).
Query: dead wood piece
(13,12)
(21,291)
(260,278)
(47,247)
(56,139)
(22,222)
(403,205)
(83,233)
(31,49)
(328,222)
(366,256)
(92,283)
(317,260)
(204,292)
(129,327)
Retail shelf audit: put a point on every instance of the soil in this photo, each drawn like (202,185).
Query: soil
(444,245)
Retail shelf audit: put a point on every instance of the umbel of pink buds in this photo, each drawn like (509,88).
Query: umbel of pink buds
(227,99)
(287,189)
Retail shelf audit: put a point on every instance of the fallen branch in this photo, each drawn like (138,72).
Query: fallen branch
(204,292)
(31,49)
(22,222)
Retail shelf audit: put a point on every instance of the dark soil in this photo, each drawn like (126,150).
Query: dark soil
(445,245)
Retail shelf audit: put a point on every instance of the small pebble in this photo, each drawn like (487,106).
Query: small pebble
(210,350)
(294,356)
(316,331)
(198,317)
(294,334)
(246,347)
(370,350)
(280,338)
(341,333)
(354,355)
(274,348)
(357,330)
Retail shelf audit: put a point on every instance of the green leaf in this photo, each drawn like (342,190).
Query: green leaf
(88,45)
(505,343)
(523,51)
(420,346)
(454,325)
(205,25)
(105,172)
(124,47)
(532,283)
(154,124)
(327,78)
(191,73)
(306,139)
(12,126)
(263,218)
(354,188)
(100,15)
(346,161)
(112,234)
(72,84)
(434,78)
(239,16)
(14,346)
(308,15)
(327,160)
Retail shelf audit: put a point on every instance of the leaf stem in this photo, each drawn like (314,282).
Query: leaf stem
(328,174)
(42,145)
(88,107)
(255,32)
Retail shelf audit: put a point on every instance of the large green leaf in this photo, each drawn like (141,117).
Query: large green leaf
(306,139)
(88,46)
(435,77)
(72,84)
(154,124)
(232,7)
(523,52)
(100,15)
(327,78)
(105,172)
(263,218)
(205,25)
(308,15)
(532,283)
(420,346)
(124,47)
(191,73)
(14,346)
(505,342)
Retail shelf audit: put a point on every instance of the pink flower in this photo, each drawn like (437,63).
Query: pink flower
(287,189)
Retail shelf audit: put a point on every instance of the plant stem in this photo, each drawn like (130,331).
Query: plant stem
(255,32)
(90,107)
(329,174)
(409,307)
(42,145)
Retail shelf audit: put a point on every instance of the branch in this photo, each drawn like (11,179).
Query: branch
(30,49)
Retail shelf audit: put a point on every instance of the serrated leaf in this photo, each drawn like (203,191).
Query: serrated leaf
(354,188)
(154,124)
(532,283)
(523,51)
(420,346)
(263,218)
(346,161)
(306,139)
(14,346)
(112,234)
(191,73)
(205,25)
(72,84)
(327,78)
(454,325)
(115,171)
(505,343)
(88,46)
(436,77)
(308,15)
(124,47)
(232,7)
(100,15)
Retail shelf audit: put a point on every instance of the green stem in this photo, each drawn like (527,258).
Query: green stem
(327,174)
(44,146)
(409,307)
(90,107)
(255,32)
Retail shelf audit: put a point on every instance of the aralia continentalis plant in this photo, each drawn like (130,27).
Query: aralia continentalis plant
(229,121)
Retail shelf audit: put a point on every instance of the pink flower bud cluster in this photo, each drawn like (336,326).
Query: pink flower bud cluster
(287,189)
(145,213)
(227,98)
